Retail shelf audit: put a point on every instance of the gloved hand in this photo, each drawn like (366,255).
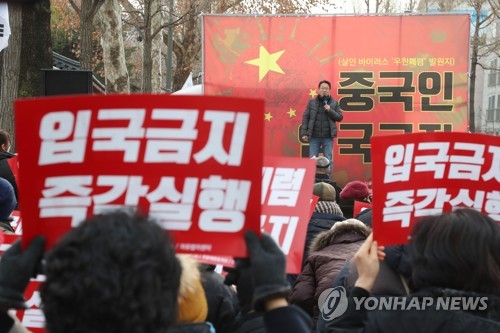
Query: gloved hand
(267,263)
(241,277)
(16,269)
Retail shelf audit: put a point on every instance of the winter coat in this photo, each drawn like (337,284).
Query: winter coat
(223,308)
(420,318)
(311,113)
(319,223)
(365,216)
(252,322)
(395,271)
(328,254)
(289,319)
(6,172)
(205,327)
(392,279)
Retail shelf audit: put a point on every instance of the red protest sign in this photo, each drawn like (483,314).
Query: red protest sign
(17,223)
(314,201)
(31,318)
(359,206)
(287,205)
(193,162)
(8,240)
(416,175)
(286,195)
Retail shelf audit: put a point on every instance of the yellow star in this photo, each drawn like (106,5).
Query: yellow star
(292,112)
(267,116)
(267,62)
(312,93)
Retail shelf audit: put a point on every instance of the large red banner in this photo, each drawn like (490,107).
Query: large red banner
(391,75)
(194,163)
(422,174)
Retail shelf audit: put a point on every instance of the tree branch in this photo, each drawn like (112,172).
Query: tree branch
(96,4)
(75,7)
(181,19)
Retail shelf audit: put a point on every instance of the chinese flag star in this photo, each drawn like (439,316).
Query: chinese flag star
(292,112)
(312,93)
(267,62)
(268,116)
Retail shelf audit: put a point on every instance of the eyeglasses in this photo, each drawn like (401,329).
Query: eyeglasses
(325,89)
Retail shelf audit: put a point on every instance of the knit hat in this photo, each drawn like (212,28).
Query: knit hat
(8,200)
(355,190)
(322,162)
(324,191)
(192,302)
(328,207)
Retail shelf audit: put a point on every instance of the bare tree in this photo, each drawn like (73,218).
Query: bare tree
(389,7)
(141,15)
(410,6)
(481,48)
(424,5)
(86,12)
(495,4)
(10,71)
(115,68)
(157,43)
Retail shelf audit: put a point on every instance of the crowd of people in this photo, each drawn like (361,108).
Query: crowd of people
(118,272)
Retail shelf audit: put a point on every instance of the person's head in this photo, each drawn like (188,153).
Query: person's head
(324,88)
(116,272)
(8,200)
(323,165)
(457,250)
(4,140)
(324,191)
(356,190)
(326,203)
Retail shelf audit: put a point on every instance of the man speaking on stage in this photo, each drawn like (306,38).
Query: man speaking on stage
(319,121)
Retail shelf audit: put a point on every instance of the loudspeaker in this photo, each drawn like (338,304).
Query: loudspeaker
(62,82)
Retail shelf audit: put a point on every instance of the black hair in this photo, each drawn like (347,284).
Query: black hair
(116,272)
(325,81)
(458,250)
(4,138)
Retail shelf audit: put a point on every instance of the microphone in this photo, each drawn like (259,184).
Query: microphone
(325,101)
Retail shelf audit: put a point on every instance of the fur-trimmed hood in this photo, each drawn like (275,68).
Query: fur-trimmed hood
(350,229)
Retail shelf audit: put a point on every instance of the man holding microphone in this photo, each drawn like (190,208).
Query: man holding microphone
(319,121)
